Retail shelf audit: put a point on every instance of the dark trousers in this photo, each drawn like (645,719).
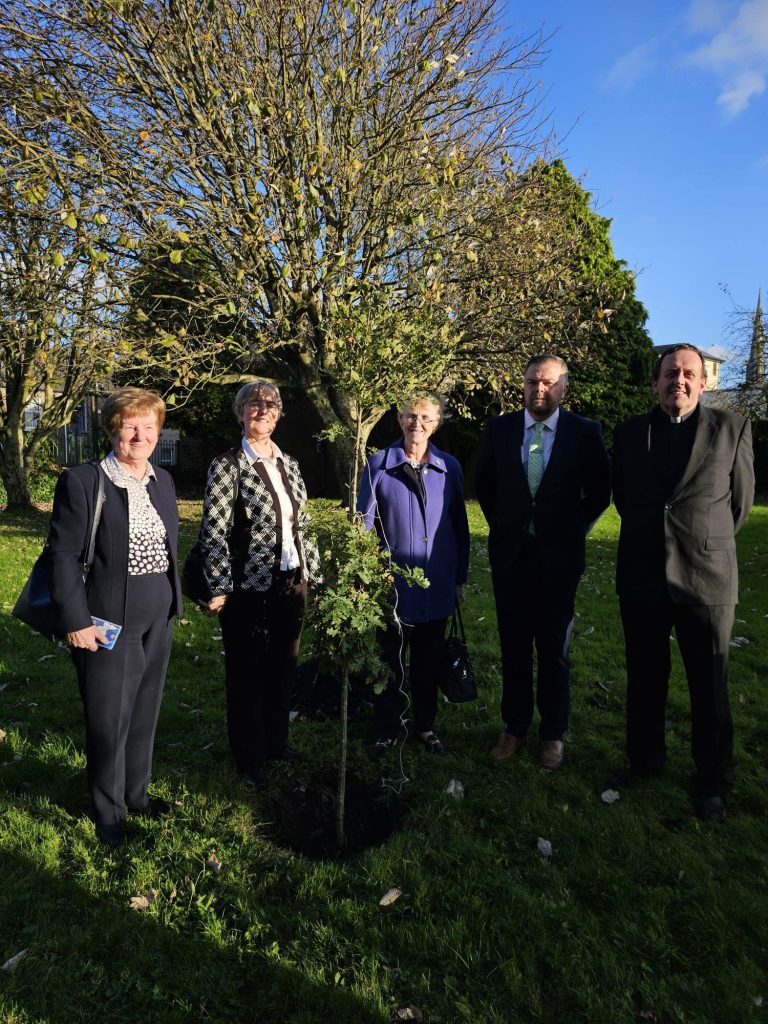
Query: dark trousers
(425,640)
(261,631)
(532,610)
(703,636)
(121,691)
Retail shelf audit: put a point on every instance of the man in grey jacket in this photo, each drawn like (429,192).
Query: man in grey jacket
(683,486)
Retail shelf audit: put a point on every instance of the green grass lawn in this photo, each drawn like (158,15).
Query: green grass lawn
(642,913)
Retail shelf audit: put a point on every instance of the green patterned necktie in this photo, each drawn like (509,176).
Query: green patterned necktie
(536,458)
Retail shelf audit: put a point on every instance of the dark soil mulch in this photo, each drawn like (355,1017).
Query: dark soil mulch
(304,815)
(317,695)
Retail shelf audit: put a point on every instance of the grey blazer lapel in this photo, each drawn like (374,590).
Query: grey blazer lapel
(706,432)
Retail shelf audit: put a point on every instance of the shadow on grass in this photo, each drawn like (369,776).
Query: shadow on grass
(95,959)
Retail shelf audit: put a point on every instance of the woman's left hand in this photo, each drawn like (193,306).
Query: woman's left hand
(88,638)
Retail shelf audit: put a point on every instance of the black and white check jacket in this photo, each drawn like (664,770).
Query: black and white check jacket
(259,518)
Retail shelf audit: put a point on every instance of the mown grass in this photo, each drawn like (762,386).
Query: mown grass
(641,914)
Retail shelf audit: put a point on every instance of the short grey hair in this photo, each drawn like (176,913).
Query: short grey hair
(423,396)
(547,358)
(255,387)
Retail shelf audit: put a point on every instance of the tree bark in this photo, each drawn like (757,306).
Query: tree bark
(13,470)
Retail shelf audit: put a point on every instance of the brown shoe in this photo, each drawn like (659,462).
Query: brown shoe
(551,754)
(508,745)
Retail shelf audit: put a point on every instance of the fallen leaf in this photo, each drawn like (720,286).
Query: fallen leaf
(389,897)
(46,657)
(10,965)
(610,796)
(208,746)
(142,902)
(409,1013)
(3,734)
(741,640)
(213,863)
(544,847)
(183,622)
(742,699)
(455,788)
(3,686)
(292,716)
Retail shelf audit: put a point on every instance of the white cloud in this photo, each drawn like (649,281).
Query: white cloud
(707,15)
(737,53)
(736,96)
(633,66)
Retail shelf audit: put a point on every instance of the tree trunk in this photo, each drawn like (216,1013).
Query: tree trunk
(335,413)
(12,469)
(341,789)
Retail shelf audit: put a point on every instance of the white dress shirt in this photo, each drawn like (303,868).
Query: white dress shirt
(289,556)
(547,436)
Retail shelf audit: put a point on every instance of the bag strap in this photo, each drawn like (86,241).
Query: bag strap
(231,454)
(97,506)
(457,618)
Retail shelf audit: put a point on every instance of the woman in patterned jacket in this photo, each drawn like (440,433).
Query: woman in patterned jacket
(257,567)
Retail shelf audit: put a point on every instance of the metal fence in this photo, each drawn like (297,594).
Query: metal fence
(186,458)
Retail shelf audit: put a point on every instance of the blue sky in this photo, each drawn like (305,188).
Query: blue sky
(662,109)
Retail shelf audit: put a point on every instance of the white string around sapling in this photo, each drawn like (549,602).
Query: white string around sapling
(396,785)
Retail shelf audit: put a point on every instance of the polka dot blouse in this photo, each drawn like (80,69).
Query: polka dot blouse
(147,538)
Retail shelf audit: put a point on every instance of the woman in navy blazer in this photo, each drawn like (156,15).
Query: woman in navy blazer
(412,494)
(133,582)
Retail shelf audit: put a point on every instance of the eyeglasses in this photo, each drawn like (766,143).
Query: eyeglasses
(425,421)
(261,403)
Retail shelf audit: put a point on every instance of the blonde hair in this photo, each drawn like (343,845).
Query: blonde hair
(131,402)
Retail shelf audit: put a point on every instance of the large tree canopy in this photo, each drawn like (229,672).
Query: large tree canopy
(328,156)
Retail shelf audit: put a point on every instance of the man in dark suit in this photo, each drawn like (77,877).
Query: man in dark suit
(543,478)
(683,486)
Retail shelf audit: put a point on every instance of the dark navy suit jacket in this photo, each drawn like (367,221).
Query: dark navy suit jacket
(103,594)
(574,491)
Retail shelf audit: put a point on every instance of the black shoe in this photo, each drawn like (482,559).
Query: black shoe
(432,744)
(710,808)
(378,749)
(112,835)
(256,779)
(156,808)
(288,754)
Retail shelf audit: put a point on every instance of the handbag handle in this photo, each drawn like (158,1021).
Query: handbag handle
(457,631)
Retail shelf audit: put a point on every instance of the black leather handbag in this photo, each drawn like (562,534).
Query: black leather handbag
(34,606)
(457,676)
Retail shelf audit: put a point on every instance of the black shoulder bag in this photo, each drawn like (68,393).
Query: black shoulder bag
(457,676)
(35,606)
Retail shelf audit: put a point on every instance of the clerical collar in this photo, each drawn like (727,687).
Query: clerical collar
(674,420)
(682,419)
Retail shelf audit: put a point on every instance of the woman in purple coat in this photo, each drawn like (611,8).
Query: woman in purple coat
(412,494)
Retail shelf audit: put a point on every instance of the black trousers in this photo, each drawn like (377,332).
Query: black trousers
(261,631)
(121,691)
(703,635)
(425,640)
(533,611)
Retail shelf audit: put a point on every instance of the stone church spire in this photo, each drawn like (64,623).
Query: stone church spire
(756,362)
